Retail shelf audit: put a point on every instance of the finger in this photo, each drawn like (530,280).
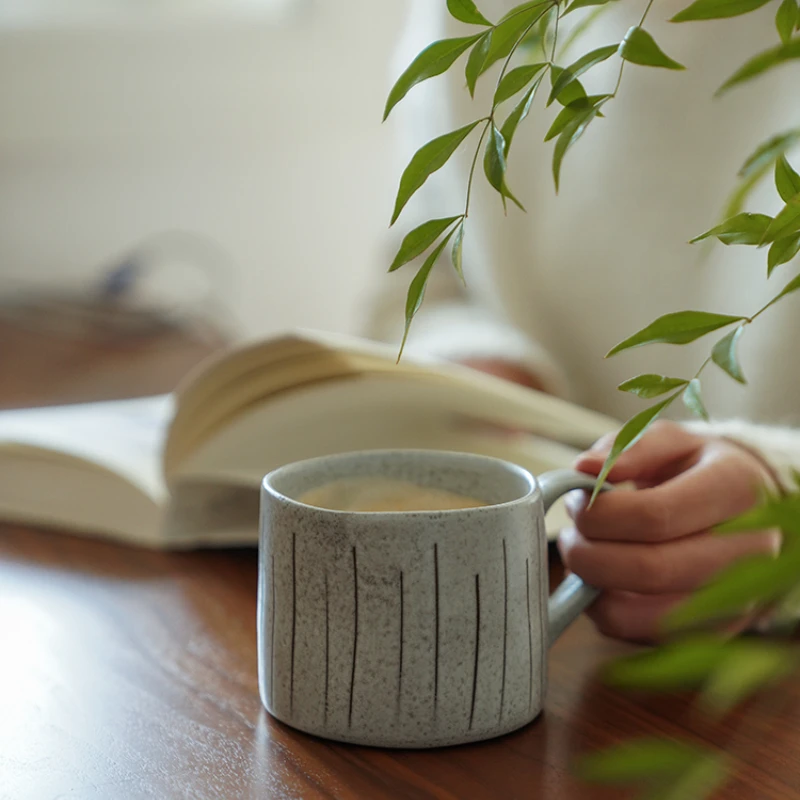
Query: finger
(664,444)
(634,617)
(670,567)
(721,485)
(639,617)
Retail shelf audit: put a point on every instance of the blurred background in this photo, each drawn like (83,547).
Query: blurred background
(177,174)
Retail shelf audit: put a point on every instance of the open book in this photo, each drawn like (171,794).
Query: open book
(184,470)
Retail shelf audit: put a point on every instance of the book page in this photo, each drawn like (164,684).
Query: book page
(123,436)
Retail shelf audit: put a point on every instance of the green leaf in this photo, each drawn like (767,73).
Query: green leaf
(433,60)
(511,29)
(416,291)
(515,81)
(518,115)
(526,6)
(680,327)
(458,250)
(786,19)
(637,760)
(629,434)
(494,160)
(759,518)
(466,11)
(693,399)
(573,131)
(767,152)
(747,668)
(727,669)
(427,160)
(577,69)
(648,386)
(697,782)
(778,511)
(639,47)
(684,664)
(787,181)
(758,579)
(790,287)
(785,617)
(576,4)
(763,62)
(476,60)
(717,9)
(494,165)
(724,354)
(742,229)
(782,251)
(420,239)
(785,224)
(743,191)
(573,91)
(574,109)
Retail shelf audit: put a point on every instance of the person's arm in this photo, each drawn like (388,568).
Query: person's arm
(456,323)
(778,448)
(647,550)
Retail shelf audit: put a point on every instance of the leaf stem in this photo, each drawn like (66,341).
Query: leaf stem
(622,65)
(518,43)
(490,119)
(489,122)
(702,367)
(555,36)
(646,12)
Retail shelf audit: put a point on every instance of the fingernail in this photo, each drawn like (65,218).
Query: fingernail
(588,462)
(575,502)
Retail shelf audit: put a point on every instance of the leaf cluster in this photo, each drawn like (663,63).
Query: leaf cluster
(525,45)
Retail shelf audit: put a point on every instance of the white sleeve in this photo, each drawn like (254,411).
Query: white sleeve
(779,447)
(456,322)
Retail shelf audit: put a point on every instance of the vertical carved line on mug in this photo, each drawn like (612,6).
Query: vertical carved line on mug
(326,632)
(385,682)
(477,648)
(544,596)
(327,646)
(272,637)
(505,629)
(355,637)
(294,621)
(530,631)
(282,626)
(400,657)
(436,634)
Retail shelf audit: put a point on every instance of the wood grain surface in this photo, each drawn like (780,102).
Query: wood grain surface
(129,674)
(132,674)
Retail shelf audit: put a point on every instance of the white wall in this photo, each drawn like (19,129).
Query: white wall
(264,136)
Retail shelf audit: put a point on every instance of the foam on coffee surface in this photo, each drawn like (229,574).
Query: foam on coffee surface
(384,494)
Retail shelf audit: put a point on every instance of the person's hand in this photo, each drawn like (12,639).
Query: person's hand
(648,549)
(506,370)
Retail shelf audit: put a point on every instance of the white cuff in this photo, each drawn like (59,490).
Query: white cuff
(778,446)
(455,333)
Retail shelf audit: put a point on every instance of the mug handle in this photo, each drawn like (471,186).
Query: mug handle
(573,596)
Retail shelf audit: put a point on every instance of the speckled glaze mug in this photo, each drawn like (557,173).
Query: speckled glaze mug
(410,629)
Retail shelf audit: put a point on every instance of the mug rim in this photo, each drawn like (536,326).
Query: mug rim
(532,492)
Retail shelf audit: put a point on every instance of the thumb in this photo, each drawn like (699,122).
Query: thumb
(662,445)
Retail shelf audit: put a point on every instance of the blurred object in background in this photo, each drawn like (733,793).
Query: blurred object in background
(149,318)
(30,12)
(256,123)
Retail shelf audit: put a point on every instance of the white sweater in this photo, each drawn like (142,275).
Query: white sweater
(554,289)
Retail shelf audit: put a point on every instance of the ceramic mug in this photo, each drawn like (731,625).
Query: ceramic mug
(410,629)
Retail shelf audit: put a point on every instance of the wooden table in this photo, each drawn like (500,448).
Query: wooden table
(129,674)
(132,674)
